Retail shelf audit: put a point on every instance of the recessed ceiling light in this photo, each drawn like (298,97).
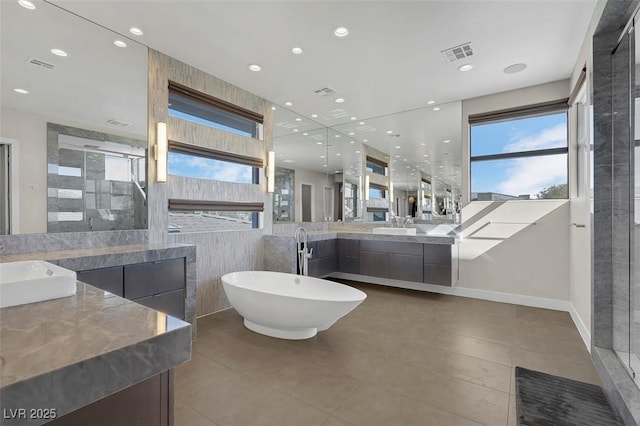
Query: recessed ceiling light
(465,67)
(351,142)
(446,141)
(436,109)
(296,50)
(254,67)
(339,100)
(288,103)
(431,102)
(365,140)
(354,118)
(135,31)
(389,132)
(324,165)
(298,119)
(397,156)
(398,147)
(425,155)
(273,108)
(318,143)
(26,4)
(288,161)
(341,32)
(423,143)
(296,130)
(512,69)
(357,152)
(322,156)
(361,123)
(314,115)
(120,43)
(305,134)
(21,91)
(337,153)
(351,133)
(59,52)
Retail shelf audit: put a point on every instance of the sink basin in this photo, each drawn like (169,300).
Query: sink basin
(34,281)
(395,231)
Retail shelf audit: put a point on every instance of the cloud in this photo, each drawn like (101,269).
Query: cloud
(532,174)
(553,137)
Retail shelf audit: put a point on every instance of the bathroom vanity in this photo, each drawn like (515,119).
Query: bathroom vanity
(397,260)
(96,357)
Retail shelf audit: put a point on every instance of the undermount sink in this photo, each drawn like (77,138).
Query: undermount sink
(34,281)
(395,231)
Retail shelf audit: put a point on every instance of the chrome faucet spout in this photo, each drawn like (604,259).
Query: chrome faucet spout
(304,254)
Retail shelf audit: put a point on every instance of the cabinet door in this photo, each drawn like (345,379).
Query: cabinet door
(437,254)
(348,248)
(348,264)
(107,279)
(374,264)
(170,303)
(405,267)
(147,279)
(437,274)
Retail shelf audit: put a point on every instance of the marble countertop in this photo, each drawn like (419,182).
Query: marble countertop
(66,353)
(367,235)
(90,252)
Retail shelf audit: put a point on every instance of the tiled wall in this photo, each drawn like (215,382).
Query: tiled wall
(221,251)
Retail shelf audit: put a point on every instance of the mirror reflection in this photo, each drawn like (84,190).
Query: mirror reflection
(73,117)
(403,167)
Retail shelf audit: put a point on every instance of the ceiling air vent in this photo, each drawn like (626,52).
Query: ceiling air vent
(325,91)
(41,64)
(456,53)
(119,123)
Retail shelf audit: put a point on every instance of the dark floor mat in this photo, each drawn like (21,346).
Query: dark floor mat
(547,400)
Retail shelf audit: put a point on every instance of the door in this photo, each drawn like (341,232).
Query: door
(327,214)
(306,200)
(580,210)
(5,190)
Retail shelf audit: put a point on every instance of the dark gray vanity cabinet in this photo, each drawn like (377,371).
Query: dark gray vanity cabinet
(324,259)
(349,256)
(437,264)
(394,260)
(107,279)
(159,285)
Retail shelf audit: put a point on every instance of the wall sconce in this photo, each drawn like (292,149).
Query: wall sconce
(366,187)
(391,192)
(160,152)
(271,171)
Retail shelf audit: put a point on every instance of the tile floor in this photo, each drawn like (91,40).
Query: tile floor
(401,358)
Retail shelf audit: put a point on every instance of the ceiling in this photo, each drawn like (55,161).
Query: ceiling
(391,61)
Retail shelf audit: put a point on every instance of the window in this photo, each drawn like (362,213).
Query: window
(204,163)
(377,191)
(188,104)
(203,216)
(520,154)
(376,166)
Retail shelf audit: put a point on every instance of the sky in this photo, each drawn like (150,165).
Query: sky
(521,175)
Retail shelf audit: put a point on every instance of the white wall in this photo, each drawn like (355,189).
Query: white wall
(319,181)
(523,252)
(30,130)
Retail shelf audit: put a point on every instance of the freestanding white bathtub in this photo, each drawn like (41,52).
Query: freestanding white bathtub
(288,306)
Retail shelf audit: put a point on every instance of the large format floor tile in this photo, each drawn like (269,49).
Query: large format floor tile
(401,358)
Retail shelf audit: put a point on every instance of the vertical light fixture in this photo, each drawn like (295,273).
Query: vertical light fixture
(161,152)
(271,171)
(391,192)
(366,187)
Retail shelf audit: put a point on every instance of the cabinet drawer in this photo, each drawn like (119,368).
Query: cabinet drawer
(374,264)
(405,267)
(147,279)
(348,248)
(437,274)
(391,247)
(107,279)
(437,254)
(171,303)
(348,264)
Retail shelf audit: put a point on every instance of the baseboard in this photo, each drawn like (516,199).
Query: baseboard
(494,296)
(582,328)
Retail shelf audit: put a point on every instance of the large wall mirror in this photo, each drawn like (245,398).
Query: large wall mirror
(399,166)
(73,123)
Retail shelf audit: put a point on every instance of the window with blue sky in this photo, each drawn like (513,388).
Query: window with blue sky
(520,158)
(188,165)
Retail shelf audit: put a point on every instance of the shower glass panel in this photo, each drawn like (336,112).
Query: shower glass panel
(634,291)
